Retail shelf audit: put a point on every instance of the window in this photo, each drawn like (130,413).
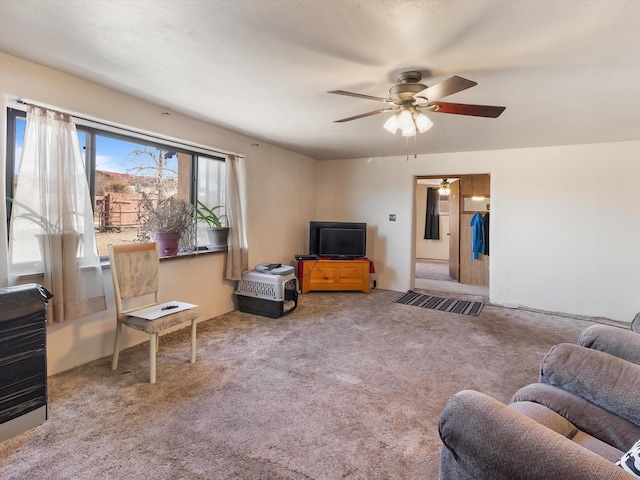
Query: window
(210,190)
(120,168)
(444,205)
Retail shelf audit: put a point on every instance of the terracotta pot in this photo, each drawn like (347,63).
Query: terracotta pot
(167,243)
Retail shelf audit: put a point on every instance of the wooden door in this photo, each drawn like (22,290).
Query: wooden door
(454,231)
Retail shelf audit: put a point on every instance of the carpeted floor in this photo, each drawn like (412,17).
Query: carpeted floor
(349,386)
(433,270)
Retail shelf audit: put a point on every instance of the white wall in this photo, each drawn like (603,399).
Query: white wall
(564,227)
(279,197)
(430,249)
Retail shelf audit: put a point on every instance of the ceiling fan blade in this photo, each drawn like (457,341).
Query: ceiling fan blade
(449,86)
(358,95)
(466,109)
(375,112)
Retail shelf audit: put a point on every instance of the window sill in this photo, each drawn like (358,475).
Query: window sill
(104,262)
(197,253)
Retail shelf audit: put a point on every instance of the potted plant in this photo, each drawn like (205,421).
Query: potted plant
(54,240)
(33,216)
(168,220)
(218,233)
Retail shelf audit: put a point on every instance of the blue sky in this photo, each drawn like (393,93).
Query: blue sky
(111,153)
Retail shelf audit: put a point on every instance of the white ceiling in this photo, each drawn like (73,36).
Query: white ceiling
(567,71)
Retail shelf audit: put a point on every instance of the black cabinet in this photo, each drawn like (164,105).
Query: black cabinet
(23,358)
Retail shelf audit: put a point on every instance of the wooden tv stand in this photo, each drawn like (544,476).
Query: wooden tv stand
(334,275)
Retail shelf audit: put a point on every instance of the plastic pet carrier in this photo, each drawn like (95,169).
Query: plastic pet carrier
(267,294)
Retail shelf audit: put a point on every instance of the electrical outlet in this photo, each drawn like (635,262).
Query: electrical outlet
(392,217)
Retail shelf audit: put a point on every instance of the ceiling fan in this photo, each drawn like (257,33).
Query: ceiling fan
(408,98)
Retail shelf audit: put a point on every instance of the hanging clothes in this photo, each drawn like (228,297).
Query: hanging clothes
(432,218)
(485,234)
(477,237)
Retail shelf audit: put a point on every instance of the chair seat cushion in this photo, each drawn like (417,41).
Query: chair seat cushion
(162,323)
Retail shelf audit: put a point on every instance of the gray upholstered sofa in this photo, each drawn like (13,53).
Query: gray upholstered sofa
(581,417)
(620,342)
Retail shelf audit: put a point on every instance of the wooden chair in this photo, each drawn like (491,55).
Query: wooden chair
(134,270)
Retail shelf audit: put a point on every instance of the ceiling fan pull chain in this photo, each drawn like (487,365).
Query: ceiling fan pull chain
(407,149)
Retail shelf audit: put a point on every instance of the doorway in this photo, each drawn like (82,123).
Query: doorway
(438,265)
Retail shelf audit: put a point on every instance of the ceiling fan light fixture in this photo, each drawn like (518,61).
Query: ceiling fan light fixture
(406,120)
(423,123)
(444,187)
(392,124)
(410,130)
(409,98)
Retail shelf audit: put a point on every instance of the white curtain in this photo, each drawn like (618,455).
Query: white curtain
(52,228)
(238,254)
(4,246)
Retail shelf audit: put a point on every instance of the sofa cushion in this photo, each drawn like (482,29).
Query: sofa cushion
(547,417)
(552,420)
(619,342)
(630,461)
(586,416)
(483,439)
(598,377)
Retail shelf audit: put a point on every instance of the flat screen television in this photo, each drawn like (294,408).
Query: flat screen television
(338,239)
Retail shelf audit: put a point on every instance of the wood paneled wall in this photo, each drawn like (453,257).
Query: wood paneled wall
(472,272)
